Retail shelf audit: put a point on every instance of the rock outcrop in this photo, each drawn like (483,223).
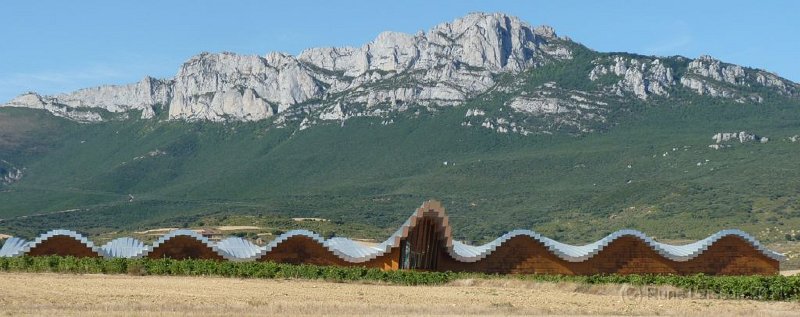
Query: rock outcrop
(12,176)
(708,76)
(493,42)
(9,173)
(648,76)
(53,105)
(707,66)
(642,77)
(721,139)
(445,66)
(142,96)
(742,137)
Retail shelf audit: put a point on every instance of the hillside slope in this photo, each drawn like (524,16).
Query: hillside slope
(546,134)
(565,186)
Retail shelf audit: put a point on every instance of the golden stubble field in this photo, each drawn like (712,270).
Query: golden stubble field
(121,295)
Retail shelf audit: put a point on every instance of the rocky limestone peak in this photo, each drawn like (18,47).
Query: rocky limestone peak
(545,31)
(446,65)
(492,41)
(491,21)
(242,87)
(280,59)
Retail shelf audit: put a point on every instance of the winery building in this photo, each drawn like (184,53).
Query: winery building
(424,242)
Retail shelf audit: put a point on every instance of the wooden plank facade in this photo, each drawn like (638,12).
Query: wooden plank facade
(424,248)
(425,242)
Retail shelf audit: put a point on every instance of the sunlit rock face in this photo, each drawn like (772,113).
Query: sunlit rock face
(443,67)
(450,62)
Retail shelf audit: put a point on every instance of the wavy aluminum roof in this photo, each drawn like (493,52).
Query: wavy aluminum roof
(238,249)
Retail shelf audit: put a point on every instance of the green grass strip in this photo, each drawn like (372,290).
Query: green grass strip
(774,287)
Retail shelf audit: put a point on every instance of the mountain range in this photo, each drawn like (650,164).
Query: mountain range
(511,125)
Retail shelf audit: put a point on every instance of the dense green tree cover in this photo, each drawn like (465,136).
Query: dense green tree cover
(647,167)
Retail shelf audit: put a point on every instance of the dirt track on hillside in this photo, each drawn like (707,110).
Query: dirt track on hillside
(55,294)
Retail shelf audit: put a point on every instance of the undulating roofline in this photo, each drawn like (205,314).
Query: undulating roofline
(239,249)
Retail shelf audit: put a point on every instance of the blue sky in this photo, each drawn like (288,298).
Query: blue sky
(59,46)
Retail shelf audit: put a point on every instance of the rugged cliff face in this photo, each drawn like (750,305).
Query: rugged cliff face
(446,66)
(83,105)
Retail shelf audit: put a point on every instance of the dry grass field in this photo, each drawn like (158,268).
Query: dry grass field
(790,272)
(120,295)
